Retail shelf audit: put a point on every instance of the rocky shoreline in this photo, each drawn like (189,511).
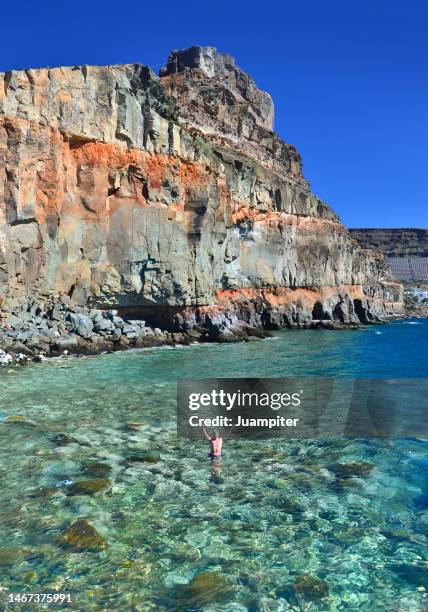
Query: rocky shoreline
(418,311)
(36,331)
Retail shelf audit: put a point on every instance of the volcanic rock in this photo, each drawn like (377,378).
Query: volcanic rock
(88,487)
(97,469)
(81,535)
(311,587)
(359,469)
(205,589)
(9,556)
(170,198)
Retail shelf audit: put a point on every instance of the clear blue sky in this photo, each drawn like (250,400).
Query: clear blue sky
(349,79)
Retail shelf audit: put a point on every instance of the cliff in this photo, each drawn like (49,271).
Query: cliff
(170,198)
(396,242)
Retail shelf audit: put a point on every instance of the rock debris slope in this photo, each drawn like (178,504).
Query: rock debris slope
(170,198)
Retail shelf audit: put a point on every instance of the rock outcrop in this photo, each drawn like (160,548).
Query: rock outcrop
(169,198)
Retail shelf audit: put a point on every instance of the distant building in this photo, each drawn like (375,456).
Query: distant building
(419,294)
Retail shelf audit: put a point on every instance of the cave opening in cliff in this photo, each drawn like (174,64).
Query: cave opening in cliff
(167,318)
(338,314)
(194,211)
(278,199)
(319,314)
(360,311)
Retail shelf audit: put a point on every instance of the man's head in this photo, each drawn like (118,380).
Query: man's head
(217,434)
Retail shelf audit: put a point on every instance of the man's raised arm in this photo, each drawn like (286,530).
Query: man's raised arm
(208,437)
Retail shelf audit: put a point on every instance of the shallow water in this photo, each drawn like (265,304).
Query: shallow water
(270,512)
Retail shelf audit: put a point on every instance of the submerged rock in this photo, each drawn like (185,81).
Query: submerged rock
(270,455)
(97,469)
(9,556)
(81,535)
(88,487)
(205,589)
(416,575)
(63,469)
(359,469)
(311,587)
(149,457)
(290,506)
(47,492)
(18,420)
(134,426)
(421,502)
(62,439)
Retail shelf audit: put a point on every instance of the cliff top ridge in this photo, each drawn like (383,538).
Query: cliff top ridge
(221,69)
(207,59)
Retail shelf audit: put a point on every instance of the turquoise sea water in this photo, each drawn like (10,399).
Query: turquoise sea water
(277,525)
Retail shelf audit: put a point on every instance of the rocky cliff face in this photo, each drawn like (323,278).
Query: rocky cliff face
(170,197)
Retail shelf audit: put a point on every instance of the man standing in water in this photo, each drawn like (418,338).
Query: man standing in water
(216,443)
